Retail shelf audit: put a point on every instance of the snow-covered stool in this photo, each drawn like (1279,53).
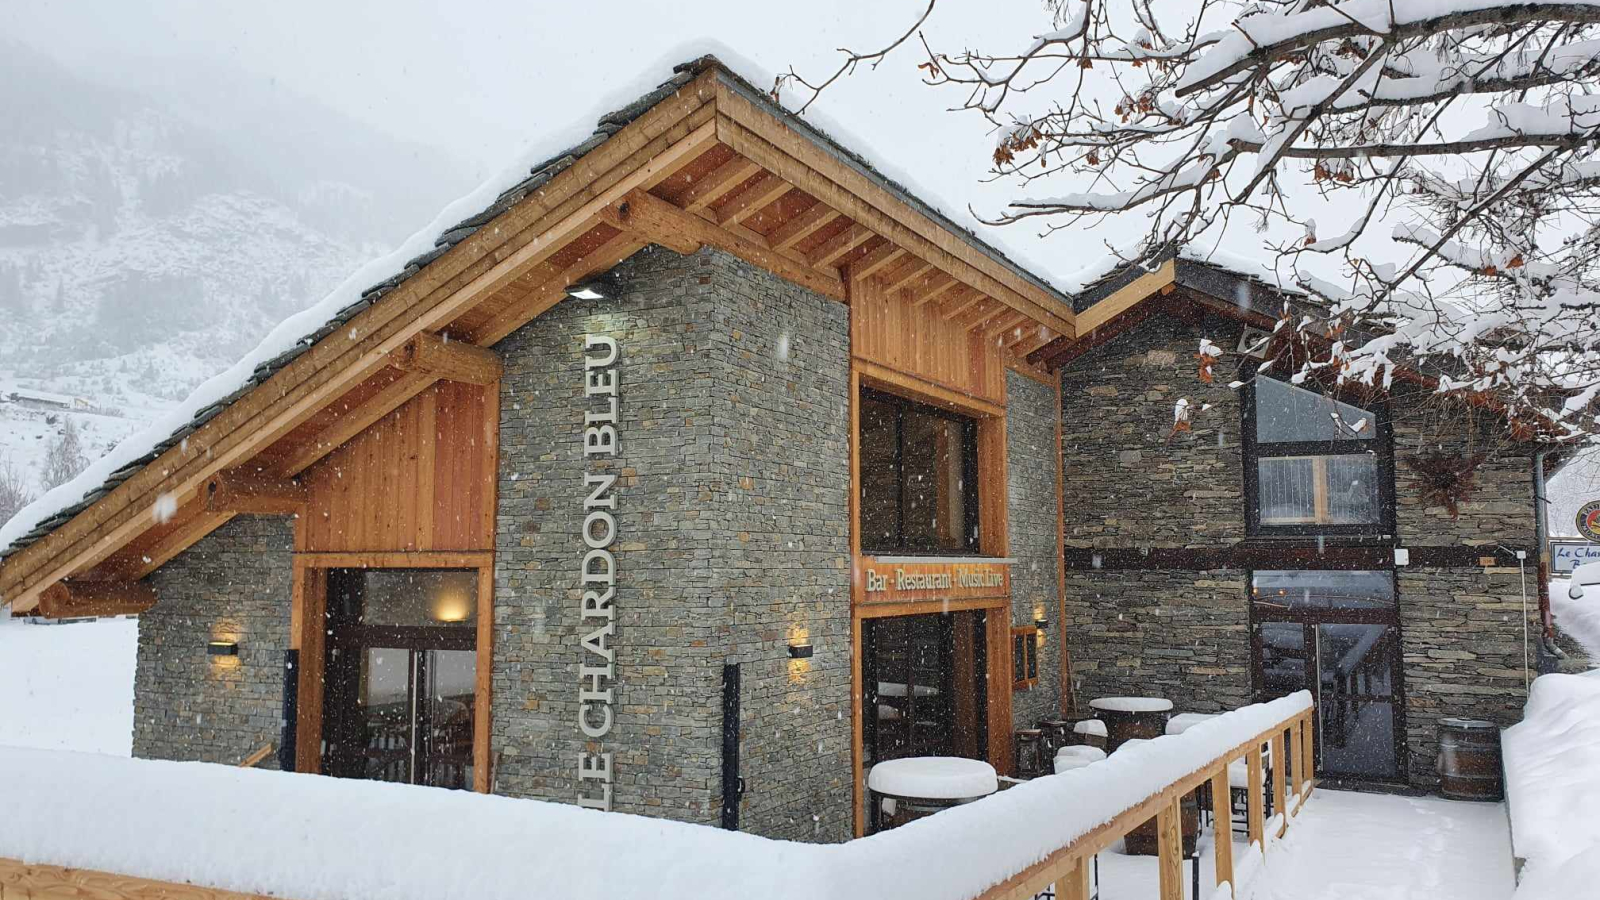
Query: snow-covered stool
(1076,757)
(1145,840)
(1182,722)
(1131,717)
(919,786)
(1091,732)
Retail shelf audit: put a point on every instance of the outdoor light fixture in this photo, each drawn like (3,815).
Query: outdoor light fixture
(222,648)
(1041,623)
(593,289)
(800,651)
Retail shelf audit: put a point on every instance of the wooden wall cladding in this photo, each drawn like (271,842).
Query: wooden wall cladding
(421,478)
(893,331)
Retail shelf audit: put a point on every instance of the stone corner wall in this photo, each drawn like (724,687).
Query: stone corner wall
(234,584)
(1033,525)
(732,513)
(781,483)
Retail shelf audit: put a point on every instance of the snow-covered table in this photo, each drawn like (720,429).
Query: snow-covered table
(920,786)
(1131,717)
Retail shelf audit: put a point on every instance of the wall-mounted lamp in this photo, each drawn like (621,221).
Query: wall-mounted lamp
(222,648)
(1041,623)
(800,651)
(593,289)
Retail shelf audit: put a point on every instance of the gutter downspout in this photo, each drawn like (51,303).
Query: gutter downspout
(1541,507)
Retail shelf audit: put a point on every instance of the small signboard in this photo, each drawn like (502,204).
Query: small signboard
(1568,555)
(1589,520)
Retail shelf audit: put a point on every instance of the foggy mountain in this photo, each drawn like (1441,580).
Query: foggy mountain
(154,225)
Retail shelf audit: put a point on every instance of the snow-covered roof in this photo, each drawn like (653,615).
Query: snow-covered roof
(556,152)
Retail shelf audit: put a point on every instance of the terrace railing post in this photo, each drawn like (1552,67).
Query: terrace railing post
(1222,799)
(1297,756)
(1308,736)
(1254,797)
(1075,885)
(1169,846)
(1280,775)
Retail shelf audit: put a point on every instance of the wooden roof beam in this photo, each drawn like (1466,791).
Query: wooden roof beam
(875,260)
(907,273)
(933,285)
(802,226)
(717,183)
(652,219)
(553,289)
(1001,329)
(751,200)
(448,360)
(66,599)
(1033,340)
(837,246)
(355,420)
(959,300)
(254,492)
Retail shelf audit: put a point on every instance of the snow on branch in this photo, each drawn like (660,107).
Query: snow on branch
(1449,150)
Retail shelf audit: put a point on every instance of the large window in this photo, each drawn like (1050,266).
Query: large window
(919,491)
(1314,464)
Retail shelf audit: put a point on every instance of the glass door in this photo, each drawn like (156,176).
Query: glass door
(401,675)
(1337,635)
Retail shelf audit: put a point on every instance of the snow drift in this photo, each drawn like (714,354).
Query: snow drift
(1552,760)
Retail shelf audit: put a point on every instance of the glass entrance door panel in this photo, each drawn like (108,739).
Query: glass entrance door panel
(924,679)
(1355,699)
(1335,634)
(401,676)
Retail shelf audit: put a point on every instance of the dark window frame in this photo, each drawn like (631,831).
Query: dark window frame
(1309,619)
(898,546)
(1381,446)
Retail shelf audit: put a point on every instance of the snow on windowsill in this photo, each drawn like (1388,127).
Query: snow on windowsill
(234,829)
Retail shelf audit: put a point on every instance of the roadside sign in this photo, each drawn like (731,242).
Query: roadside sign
(1588,521)
(1568,555)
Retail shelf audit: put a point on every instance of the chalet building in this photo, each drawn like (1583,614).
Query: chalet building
(707,467)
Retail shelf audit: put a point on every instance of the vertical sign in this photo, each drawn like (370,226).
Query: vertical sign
(597,671)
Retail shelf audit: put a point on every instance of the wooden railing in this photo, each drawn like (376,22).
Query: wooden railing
(1068,868)
(844,870)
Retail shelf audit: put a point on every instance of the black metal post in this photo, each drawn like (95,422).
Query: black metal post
(291,703)
(732,784)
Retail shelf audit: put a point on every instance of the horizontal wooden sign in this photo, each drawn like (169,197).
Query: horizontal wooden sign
(893,581)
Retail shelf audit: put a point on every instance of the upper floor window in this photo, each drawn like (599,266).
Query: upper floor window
(919,491)
(1314,464)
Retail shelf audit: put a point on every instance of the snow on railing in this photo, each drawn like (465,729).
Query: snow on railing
(93,826)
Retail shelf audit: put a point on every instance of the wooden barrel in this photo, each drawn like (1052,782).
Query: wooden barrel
(1469,760)
(1127,718)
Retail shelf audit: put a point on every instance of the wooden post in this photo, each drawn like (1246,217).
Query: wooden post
(1279,776)
(1169,844)
(1297,746)
(1222,824)
(1254,798)
(1075,884)
(1308,735)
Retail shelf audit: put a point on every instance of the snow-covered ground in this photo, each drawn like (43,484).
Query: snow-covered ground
(68,687)
(1349,846)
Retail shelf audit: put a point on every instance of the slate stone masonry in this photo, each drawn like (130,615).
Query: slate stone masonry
(733,518)
(1132,482)
(1032,520)
(234,584)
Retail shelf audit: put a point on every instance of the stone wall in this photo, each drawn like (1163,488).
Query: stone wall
(234,584)
(1132,482)
(1180,635)
(1031,473)
(732,510)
